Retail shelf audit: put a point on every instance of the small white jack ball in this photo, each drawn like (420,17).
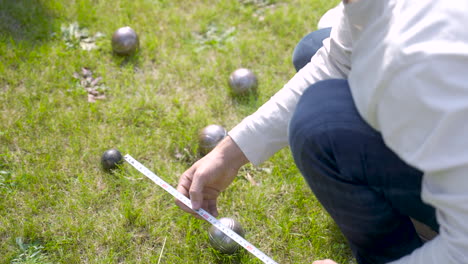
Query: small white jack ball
(221,241)
(243,81)
(125,41)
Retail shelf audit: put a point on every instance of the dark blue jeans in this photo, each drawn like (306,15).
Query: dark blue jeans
(366,188)
(308,46)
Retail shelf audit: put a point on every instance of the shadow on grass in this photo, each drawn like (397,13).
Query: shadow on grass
(25,21)
(227,258)
(132,61)
(250,97)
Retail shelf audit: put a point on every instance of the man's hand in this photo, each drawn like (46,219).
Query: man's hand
(204,181)
(325,261)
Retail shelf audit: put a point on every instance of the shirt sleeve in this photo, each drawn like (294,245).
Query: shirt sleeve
(263,133)
(330,17)
(423,116)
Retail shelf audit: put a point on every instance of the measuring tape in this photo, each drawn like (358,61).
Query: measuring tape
(208,217)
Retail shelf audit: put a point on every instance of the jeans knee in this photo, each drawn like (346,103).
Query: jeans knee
(297,132)
(306,127)
(300,132)
(320,104)
(308,46)
(322,113)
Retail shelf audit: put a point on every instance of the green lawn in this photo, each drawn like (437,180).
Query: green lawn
(56,203)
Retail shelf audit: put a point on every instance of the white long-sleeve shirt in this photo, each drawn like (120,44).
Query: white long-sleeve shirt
(407,66)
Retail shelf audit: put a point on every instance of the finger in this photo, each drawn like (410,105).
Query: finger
(212,208)
(183,188)
(196,193)
(325,261)
(180,203)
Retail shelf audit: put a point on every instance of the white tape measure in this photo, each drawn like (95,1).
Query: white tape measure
(208,217)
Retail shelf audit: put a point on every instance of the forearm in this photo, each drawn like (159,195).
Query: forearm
(229,150)
(266,131)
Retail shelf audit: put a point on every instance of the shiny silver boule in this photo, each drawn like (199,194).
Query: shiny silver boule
(125,41)
(111,159)
(221,241)
(242,81)
(209,137)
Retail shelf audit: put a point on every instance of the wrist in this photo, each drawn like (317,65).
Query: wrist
(232,152)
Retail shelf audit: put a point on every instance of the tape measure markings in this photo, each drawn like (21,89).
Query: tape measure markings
(207,216)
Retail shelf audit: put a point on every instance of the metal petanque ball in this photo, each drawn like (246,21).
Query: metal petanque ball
(209,137)
(242,81)
(125,41)
(222,242)
(111,159)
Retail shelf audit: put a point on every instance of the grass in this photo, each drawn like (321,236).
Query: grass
(58,206)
